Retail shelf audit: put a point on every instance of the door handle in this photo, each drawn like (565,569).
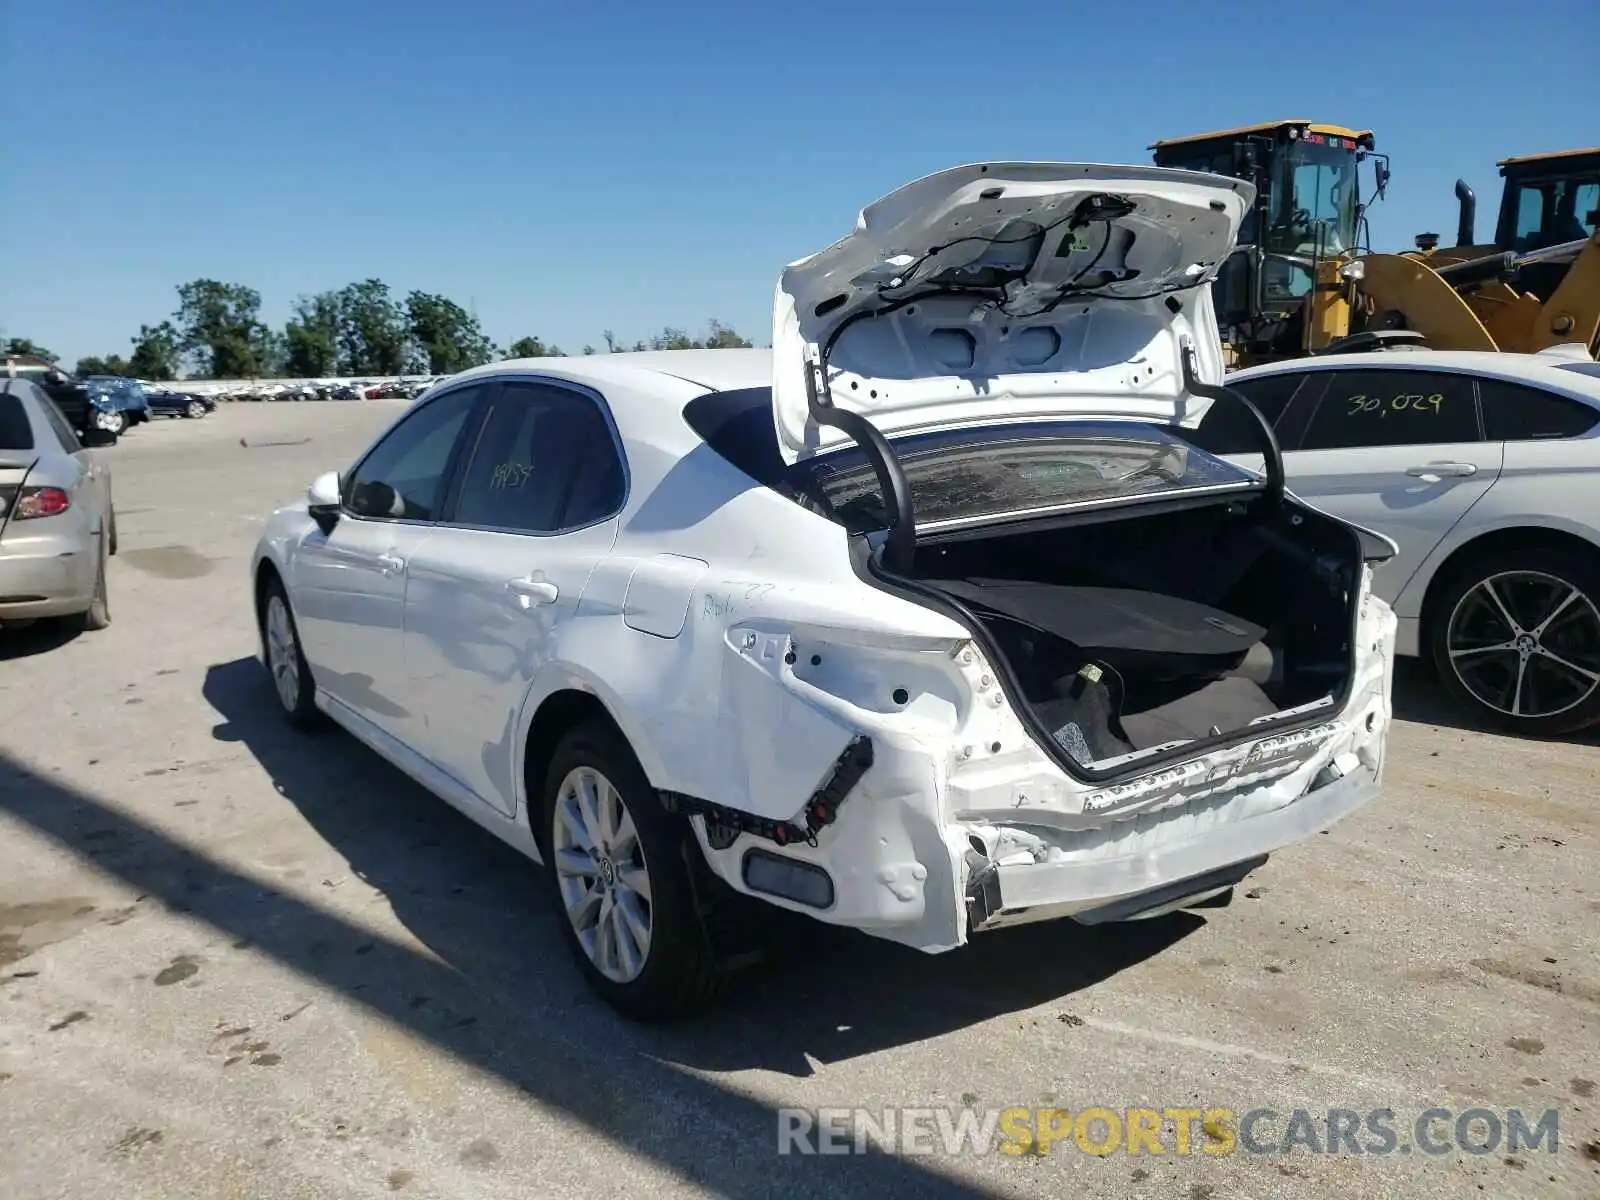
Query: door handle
(390,565)
(533,591)
(1434,472)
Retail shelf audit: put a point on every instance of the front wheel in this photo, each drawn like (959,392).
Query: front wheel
(286,662)
(113,422)
(1515,637)
(194,410)
(618,862)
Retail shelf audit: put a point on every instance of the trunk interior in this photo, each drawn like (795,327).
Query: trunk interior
(1131,632)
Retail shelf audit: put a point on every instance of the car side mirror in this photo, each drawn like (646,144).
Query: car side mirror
(95,438)
(322,500)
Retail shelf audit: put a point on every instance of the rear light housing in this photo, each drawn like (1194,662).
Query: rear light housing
(23,504)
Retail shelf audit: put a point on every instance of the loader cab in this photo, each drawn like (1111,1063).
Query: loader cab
(1280,293)
(1548,199)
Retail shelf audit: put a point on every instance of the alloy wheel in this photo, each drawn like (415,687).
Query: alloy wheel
(283,657)
(601,871)
(1526,644)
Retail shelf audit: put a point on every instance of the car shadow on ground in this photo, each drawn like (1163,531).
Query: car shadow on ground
(824,994)
(533,1028)
(41,637)
(1419,697)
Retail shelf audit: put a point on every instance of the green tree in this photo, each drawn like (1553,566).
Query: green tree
(373,338)
(532,347)
(155,352)
(271,350)
(446,337)
(672,339)
(311,337)
(722,337)
(218,326)
(22,345)
(114,364)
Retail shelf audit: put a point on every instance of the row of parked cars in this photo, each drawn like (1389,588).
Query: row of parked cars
(354,389)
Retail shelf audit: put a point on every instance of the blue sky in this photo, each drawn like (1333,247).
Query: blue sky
(568,168)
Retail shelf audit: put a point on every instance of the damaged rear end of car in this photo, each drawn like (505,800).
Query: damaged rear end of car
(1108,672)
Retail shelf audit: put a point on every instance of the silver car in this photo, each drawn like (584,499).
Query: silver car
(57,524)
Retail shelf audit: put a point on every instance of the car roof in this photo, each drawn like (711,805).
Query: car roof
(1551,370)
(713,370)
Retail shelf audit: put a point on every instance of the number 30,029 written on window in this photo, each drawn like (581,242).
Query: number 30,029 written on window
(1404,402)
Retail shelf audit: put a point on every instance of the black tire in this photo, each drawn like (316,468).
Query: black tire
(111,536)
(1463,616)
(301,711)
(679,976)
(98,614)
(194,410)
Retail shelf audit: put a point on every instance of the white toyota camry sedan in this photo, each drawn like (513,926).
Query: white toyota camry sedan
(927,621)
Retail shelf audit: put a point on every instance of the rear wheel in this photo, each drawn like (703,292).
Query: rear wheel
(620,867)
(1515,637)
(98,614)
(286,662)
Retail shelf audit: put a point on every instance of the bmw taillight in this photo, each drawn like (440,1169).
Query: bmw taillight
(40,502)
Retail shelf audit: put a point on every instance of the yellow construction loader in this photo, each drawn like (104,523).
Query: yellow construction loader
(1291,286)
(1298,283)
(1536,285)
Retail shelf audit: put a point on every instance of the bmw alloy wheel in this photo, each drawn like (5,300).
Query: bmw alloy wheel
(601,871)
(283,658)
(1526,644)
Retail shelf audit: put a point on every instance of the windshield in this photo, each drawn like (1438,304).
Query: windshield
(1313,206)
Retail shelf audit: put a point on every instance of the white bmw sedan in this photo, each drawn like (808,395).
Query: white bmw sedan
(1484,469)
(925,622)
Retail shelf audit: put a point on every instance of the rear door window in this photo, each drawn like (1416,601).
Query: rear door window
(1393,408)
(545,462)
(1513,412)
(1228,429)
(16,431)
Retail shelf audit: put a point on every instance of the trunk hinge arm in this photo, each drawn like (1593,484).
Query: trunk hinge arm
(1270,450)
(899,549)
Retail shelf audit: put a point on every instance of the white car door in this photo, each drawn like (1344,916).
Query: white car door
(1398,450)
(488,594)
(348,585)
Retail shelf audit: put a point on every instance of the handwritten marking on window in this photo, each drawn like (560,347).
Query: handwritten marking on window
(1406,402)
(510,475)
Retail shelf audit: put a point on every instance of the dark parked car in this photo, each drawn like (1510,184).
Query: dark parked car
(126,397)
(170,402)
(83,409)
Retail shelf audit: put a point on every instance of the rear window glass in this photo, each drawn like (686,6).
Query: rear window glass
(970,475)
(964,473)
(16,431)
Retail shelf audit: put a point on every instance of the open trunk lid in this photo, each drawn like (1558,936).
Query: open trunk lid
(1007,291)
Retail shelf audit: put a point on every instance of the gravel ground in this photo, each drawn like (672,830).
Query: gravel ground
(237,961)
